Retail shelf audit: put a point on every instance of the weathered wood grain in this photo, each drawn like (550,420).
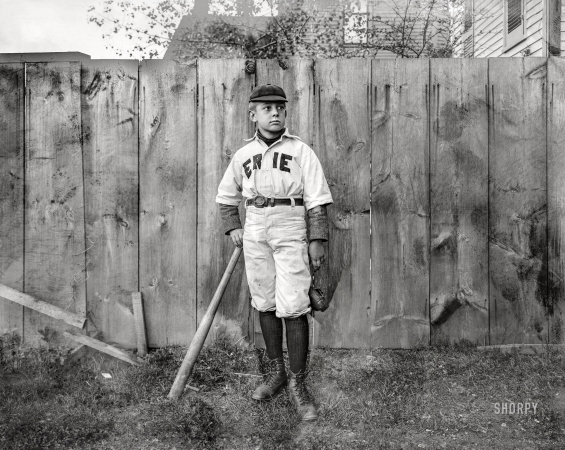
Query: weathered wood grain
(223,123)
(11,192)
(400,206)
(168,211)
(518,201)
(343,145)
(101,347)
(54,216)
(110,148)
(48,309)
(139,316)
(419,251)
(556,199)
(459,200)
(298,83)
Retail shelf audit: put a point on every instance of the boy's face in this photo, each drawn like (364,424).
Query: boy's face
(270,117)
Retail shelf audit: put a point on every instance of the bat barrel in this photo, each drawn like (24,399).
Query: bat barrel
(202,331)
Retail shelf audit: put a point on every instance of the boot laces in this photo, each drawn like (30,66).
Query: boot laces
(271,371)
(302,394)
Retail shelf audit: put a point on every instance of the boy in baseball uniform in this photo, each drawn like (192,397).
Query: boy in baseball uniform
(282,183)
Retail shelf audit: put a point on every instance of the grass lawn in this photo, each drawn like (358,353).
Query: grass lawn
(429,398)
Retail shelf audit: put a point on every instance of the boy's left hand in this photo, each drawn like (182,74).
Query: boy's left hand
(317,253)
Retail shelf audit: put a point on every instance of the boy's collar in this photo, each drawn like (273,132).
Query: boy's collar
(286,133)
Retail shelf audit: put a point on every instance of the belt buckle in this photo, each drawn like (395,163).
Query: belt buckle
(259,201)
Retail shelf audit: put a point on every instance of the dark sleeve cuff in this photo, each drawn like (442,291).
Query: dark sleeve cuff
(317,222)
(230,218)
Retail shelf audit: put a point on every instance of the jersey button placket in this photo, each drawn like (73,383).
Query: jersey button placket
(271,174)
(267,158)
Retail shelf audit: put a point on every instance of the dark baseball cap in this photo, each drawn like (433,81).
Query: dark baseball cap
(268,93)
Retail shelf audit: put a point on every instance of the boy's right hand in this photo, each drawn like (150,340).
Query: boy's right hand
(237,237)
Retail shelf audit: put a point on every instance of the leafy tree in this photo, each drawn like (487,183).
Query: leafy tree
(149,28)
(407,28)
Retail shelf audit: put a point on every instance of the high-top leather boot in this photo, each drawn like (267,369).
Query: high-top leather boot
(274,378)
(301,397)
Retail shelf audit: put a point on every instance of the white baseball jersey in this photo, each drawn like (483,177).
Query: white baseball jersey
(288,168)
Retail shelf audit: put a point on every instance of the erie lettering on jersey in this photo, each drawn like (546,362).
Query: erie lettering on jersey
(278,163)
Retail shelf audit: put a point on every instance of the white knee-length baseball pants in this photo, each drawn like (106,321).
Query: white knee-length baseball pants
(275,248)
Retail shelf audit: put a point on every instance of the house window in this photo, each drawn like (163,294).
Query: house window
(468,47)
(514,23)
(356,23)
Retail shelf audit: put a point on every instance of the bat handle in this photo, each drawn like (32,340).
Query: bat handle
(202,331)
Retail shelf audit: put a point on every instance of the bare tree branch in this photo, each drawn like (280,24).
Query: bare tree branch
(417,28)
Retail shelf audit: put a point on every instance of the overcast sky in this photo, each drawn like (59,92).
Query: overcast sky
(51,26)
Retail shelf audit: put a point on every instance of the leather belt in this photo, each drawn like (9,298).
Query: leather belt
(262,202)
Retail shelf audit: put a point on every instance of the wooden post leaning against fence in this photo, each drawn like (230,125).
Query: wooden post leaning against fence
(202,332)
(139,319)
(44,308)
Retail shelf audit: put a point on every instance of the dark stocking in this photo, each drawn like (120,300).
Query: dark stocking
(272,329)
(297,342)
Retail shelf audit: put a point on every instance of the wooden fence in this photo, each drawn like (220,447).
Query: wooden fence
(446,175)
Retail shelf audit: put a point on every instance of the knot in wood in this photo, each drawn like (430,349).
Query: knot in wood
(250,66)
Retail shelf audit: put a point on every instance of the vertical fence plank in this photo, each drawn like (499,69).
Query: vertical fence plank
(224,90)
(556,199)
(297,80)
(342,142)
(459,200)
(400,171)
(174,261)
(54,222)
(110,125)
(518,201)
(168,170)
(11,192)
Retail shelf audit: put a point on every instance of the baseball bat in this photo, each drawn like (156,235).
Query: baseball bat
(202,331)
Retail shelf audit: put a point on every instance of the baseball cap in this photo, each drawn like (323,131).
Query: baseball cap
(268,93)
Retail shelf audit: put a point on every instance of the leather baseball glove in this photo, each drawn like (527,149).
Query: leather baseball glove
(318,300)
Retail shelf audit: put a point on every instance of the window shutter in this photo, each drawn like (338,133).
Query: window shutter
(554,27)
(468,47)
(514,14)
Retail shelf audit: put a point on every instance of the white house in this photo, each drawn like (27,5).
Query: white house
(498,28)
